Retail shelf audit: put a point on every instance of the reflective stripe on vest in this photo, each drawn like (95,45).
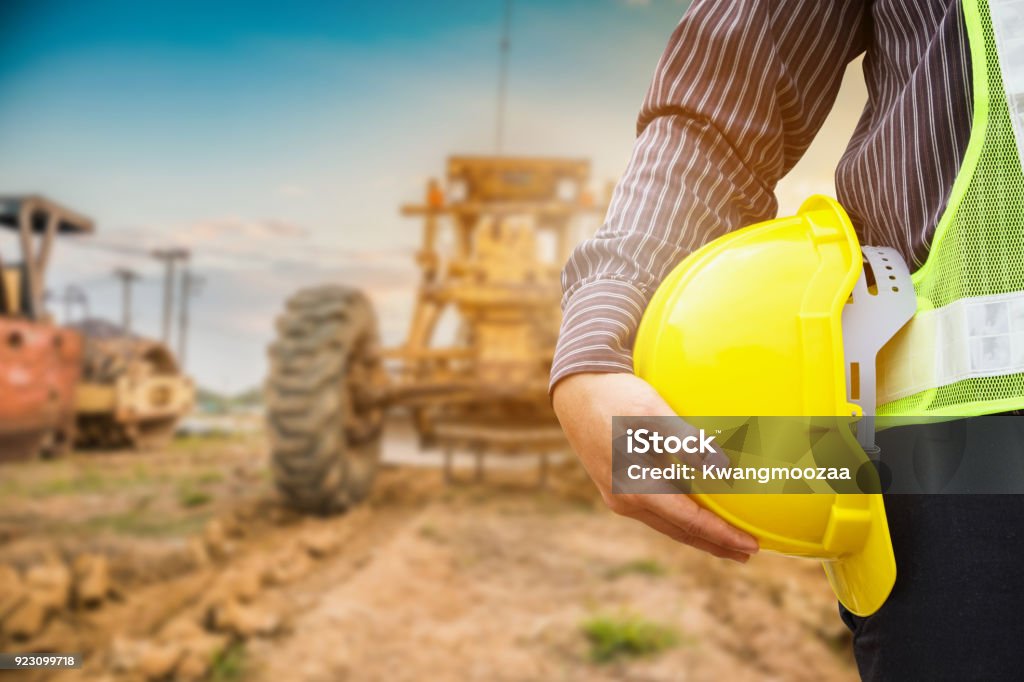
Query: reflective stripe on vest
(963,354)
(970,338)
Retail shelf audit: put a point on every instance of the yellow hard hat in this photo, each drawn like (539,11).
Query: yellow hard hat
(753,324)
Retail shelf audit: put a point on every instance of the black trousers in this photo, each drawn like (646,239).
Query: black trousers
(957,609)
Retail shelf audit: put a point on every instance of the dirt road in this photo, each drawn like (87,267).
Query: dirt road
(211,579)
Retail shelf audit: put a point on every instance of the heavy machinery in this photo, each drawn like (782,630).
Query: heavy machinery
(477,382)
(88,383)
(132,392)
(39,361)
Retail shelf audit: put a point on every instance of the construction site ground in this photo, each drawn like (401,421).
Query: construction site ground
(182,564)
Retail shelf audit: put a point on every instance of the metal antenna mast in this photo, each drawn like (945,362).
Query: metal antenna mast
(503,48)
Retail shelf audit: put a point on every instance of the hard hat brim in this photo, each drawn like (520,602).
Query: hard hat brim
(863,581)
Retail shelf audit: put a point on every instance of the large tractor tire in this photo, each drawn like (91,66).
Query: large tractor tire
(322,420)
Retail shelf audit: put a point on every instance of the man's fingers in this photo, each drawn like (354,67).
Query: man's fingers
(694,520)
(585,405)
(662,526)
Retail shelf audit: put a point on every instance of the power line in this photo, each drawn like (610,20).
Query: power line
(170,258)
(319,251)
(176,260)
(111,247)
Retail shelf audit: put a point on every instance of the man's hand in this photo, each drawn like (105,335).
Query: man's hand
(585,405)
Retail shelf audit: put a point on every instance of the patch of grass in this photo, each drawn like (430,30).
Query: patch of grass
(141,473)
(194,441)
(613,637)
(190,496)
(648,567)
(144,524)
(209,477)
(88,480)
(228,664)
(431,532)
(70,477)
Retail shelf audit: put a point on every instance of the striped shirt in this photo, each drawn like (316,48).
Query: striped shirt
(737,97)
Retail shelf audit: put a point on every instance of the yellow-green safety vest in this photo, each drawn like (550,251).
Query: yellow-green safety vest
(963,354)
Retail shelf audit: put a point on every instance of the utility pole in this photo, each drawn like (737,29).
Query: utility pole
(191,285)
(503,48)
(170,258)
(127,277)
(73,295)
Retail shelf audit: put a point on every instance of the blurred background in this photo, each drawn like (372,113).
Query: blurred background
(280,293)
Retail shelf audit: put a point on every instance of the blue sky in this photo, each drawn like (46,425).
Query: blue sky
(278,139)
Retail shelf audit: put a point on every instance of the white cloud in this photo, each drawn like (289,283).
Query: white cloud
(293,191)
(234,227)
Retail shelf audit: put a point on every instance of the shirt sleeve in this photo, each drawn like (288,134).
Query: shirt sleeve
(737,97)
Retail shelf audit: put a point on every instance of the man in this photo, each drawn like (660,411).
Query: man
(737,97)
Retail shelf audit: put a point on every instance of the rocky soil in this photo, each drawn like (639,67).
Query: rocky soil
(182,565)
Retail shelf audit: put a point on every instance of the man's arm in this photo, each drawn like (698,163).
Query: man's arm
(737,97)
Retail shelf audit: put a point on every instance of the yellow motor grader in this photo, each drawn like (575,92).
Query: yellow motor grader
(494,240)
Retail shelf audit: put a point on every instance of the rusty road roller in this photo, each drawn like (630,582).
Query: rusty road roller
(494,240)
(87,383)
(39,359)
(131,394)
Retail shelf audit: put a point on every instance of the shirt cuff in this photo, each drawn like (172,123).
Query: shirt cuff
(599,323)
